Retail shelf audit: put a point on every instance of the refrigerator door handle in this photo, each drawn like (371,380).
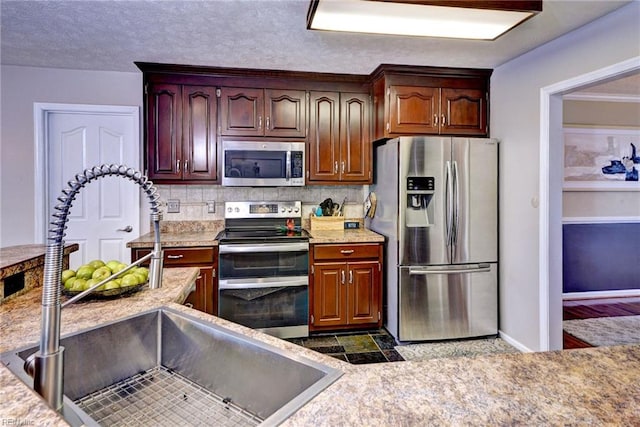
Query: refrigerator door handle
(449,204)
(455,214)
(422,271)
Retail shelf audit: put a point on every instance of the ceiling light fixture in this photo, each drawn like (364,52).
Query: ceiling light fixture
(466,19)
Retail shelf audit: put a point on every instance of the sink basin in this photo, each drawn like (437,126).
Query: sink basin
(164,367)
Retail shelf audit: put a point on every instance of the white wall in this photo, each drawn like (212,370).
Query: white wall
(20,88)
(515,120)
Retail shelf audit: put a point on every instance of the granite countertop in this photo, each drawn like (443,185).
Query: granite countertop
(596,386)
(194,235)
(23,257)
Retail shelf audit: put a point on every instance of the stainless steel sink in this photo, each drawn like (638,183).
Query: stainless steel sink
(164,367)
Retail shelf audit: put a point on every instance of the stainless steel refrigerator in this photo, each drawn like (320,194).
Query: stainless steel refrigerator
(437,206)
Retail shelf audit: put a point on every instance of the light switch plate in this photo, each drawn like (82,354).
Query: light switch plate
(211,207)
(173,206)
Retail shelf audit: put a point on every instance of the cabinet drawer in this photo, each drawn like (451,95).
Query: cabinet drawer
(182,256)
(345,251)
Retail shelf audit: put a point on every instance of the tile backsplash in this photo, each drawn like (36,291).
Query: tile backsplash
(194,199)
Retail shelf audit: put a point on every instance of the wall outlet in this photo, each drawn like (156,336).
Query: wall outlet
(173,206)
(211,206)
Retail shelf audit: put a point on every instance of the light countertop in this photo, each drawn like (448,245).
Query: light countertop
(199,234)
(596,386)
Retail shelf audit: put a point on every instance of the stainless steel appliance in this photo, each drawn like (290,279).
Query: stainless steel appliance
(256,163)
(437,205)
(263,268)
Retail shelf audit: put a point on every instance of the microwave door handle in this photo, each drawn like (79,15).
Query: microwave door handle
(288,168)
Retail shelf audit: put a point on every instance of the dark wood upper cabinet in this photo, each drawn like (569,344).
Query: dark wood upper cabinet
(430,101)
(181,133)
(339,138)
(262,112)
(187,108)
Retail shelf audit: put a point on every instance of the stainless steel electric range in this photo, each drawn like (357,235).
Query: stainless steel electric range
(263,268)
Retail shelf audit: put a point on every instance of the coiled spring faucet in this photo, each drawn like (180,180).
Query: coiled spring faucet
(47,366)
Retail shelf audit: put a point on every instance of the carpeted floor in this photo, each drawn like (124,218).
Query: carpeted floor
(465,348)
(605,331)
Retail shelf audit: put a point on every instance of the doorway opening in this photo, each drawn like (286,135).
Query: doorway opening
(551,185)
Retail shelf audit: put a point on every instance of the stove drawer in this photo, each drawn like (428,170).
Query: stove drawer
(324,252)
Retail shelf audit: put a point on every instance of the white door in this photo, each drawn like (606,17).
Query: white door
(105,214)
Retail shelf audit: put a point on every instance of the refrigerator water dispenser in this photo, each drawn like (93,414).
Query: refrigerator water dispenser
(419,211)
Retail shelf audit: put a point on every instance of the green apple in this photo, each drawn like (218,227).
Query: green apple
(96,263)
(85,272)
(111,284)
(101,273)
(141,277)
(78,285)
(67,274)
(142,271)
(68,284)
(113,264)
(117,267)
(90,283)
(129,280)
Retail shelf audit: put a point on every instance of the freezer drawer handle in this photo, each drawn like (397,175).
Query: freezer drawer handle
(481,268)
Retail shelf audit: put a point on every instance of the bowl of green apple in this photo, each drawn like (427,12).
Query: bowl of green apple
(90,274)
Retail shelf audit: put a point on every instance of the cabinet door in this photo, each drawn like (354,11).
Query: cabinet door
(324,143)
(242,111)
(164,132)
(363,290)
(286,113)
(355,144)
(463,111)
(329,302)
(413,110)
(199,114)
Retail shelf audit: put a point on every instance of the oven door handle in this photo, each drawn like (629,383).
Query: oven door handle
(263,283)
(263,247)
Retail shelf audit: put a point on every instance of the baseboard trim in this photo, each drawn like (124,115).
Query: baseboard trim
(517,344)
(601,294)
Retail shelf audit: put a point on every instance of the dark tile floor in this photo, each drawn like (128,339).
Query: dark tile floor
(362,347)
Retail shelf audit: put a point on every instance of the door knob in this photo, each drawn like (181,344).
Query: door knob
(127,229)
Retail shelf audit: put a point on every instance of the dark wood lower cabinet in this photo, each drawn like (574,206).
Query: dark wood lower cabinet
(205,296)
(346,287)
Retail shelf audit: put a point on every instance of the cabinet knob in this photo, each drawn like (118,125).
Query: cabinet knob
(175,256)
(350,277)
(342,275)
(335,167)
(267,123)
(346,251)
(443,120)
(435,120)
(178,165)
(259,122)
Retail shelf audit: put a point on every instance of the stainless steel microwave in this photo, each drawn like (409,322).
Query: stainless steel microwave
(263,164)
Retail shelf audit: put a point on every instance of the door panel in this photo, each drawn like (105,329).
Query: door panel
(242,111)
(424,157)
(354,137)
(444,306)
(412,109)
(476,165)
(362,292)
(463,111)
(77,141)
(199,133)
(164,132)
(324,144)
(329,304)
(286,113)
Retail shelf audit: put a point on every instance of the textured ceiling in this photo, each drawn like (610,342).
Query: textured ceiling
(270,34)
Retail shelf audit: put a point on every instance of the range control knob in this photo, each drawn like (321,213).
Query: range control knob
(229,209)
(296,210)
(237,210)
(283,209)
